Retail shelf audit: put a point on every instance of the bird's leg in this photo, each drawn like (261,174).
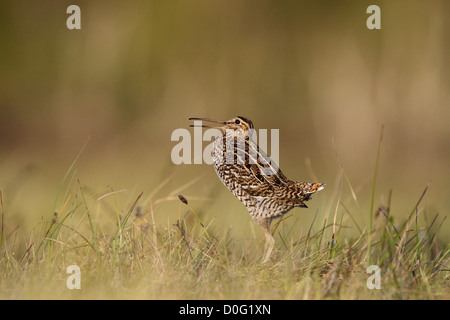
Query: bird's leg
(270,241)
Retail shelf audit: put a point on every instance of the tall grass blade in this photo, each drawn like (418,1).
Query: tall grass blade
(372,197)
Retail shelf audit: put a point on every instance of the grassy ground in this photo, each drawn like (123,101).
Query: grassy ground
(123,251)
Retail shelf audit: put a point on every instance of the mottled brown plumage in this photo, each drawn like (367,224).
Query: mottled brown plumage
(253,178)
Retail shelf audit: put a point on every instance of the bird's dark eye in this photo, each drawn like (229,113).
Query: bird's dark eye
(237,121)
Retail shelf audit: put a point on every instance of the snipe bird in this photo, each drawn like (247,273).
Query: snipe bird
(252,176)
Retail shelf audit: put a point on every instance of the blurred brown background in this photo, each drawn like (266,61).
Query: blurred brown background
(137,70)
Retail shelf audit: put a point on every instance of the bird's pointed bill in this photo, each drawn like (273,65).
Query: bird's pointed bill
(207,120)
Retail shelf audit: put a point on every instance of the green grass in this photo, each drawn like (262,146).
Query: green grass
(124,252)
(129,255)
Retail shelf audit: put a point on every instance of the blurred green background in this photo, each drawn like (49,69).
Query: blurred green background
(137,70)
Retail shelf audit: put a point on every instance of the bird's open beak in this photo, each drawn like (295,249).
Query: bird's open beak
(208,120)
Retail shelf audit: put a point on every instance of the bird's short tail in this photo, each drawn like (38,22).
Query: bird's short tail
(314,187)
(307,189)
